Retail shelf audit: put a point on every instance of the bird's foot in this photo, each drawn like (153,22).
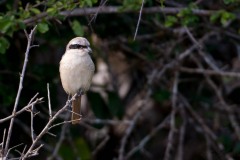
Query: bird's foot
(69,103)
(80,92)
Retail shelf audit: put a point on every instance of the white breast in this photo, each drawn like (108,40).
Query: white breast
(76,71)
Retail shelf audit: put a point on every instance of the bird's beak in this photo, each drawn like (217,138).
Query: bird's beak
(89,50)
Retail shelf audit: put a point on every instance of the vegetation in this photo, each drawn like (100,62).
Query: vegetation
(166,84)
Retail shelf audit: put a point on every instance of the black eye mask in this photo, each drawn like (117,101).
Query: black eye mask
(77,46)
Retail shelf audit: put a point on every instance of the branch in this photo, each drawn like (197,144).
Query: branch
(49,102)
(167,154)
(156,74)
(46,128)
(144,141)
(139,19)
(39,100)
(116,9)
(208,131)
(127,134)
(62,137)
(209,72)
(30,38)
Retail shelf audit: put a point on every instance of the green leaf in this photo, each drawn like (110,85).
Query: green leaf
(131,5)
(226,17)
(170,21)
(4,45)
(161,95)
(83,149)
(89,3)
(162,3)
(114,104)
(66,152)
(227,2)
(42,27)
(236,149)
(6,24)
(98,106)
(52,11)
(187,17)
(59,4)
(77,28)
(214,17)
(35,11)
(227,142)
(25,14)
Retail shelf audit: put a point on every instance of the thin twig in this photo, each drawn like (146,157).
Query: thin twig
(62,137)
(3,142)
(107,121)
(209,72)
(46,128)
(100,146)
(167,154)
(144,141)
(32,129)
(96,13)
(181,134)
(12,148)
(33,98)
(218,147)
(30,38)
(38,100)
(219,95)
(127,134)
(209,60)
(156,74)
(208,148)
(139,19)
(64,122)
(49,102)
(192,38)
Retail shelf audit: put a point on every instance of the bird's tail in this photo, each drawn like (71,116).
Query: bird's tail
(76,110)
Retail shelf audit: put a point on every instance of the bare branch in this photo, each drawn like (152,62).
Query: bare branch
(30,38)
(127,134)
(100,146)
(139,19)
(181,134)
(38,100)
(107,121)
(114,9)
(32,129)
(49,102)
(3,143)
(167,154)
(210,72)
(144,141)
(46,128)
(62,137)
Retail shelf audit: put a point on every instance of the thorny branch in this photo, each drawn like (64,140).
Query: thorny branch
(37,101)
(29,46)
(46,128)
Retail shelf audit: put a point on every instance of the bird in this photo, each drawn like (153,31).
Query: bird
(76,71)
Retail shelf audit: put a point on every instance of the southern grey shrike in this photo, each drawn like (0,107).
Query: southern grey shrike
(76,72)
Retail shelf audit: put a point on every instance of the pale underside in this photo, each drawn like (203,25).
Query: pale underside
(76,71)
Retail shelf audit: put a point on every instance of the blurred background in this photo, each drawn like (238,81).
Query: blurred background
(166,84)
